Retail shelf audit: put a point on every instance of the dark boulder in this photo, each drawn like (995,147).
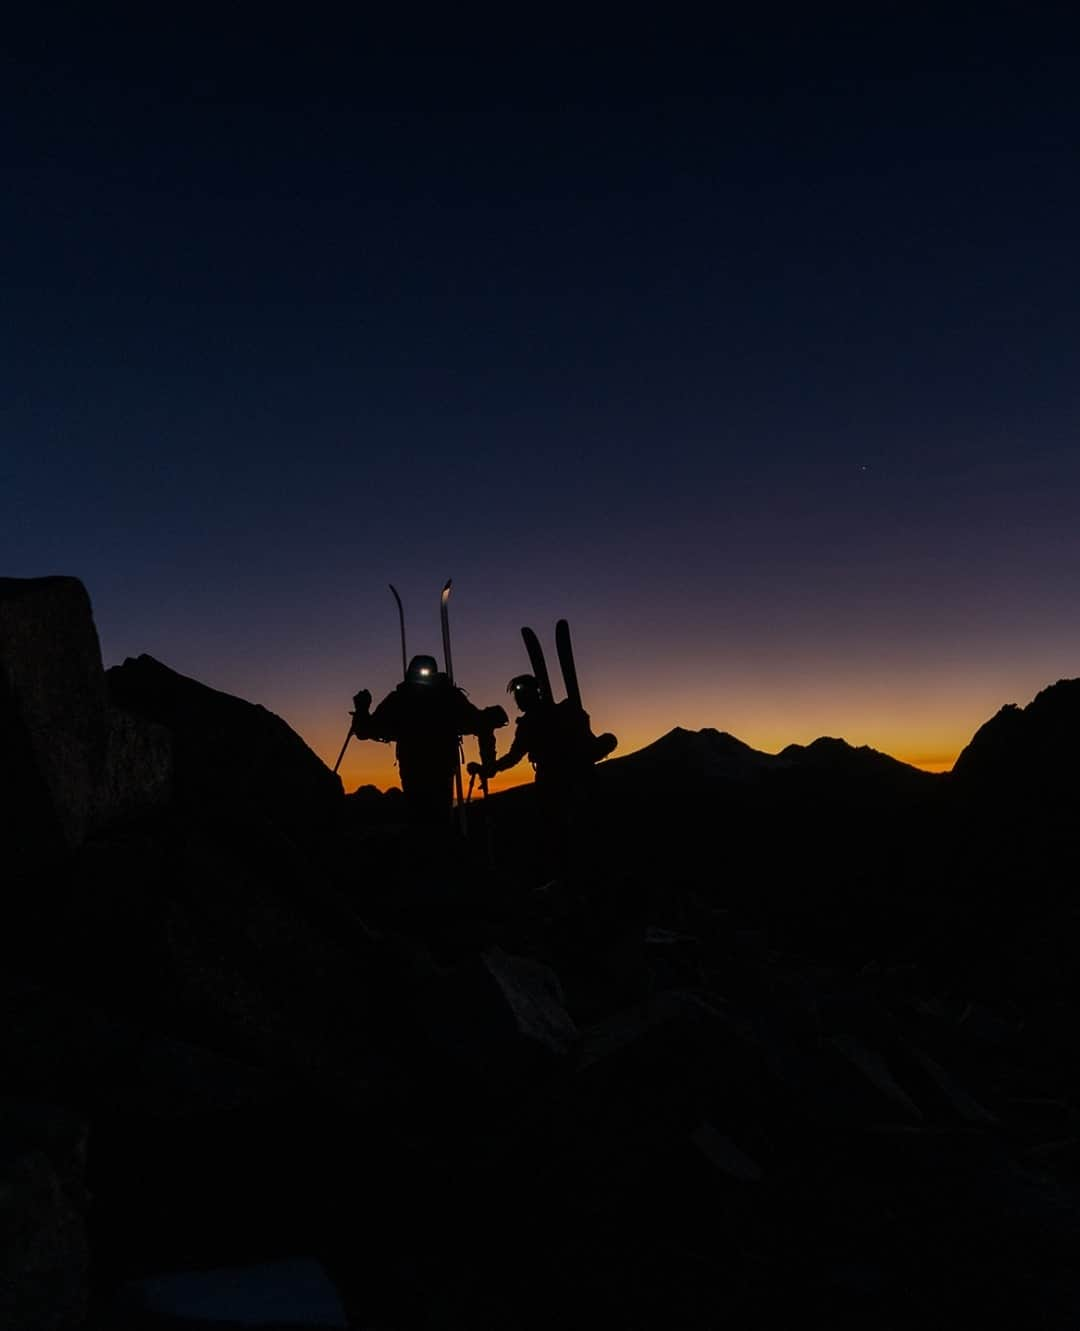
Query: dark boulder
(498,1014)
(60,1048)
(136,776)
(295,1293)
(231,753)
(44,1254)
(53,718)
(70,764)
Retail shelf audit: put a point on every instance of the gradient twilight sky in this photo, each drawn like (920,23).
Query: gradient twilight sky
(754,354)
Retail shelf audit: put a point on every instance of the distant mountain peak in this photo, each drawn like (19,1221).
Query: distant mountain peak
(699,756)
(680,741)
(828,753)
(823,745)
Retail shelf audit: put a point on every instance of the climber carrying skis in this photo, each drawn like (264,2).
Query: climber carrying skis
(555,737)
(425,715)
(558,741)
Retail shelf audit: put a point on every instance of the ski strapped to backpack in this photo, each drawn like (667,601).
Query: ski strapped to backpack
(401,625)
(600,745)
(565,651)
(538,664)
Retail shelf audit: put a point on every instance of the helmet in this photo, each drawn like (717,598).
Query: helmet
(525,690)
(422,670)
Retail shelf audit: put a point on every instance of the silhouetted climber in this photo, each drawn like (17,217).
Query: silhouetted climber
(425,715)
(558,741)
(556,738)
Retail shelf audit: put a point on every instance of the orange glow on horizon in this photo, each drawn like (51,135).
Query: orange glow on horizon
(935,763)
(369,763)
(377,769)
(919,719)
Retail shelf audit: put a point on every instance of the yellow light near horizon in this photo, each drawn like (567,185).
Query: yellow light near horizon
(367,763)
(377,769)
(927,732)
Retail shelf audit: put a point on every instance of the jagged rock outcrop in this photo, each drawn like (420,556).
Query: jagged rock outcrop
(136,776)
(1028,753)
(232,753)
(496,1012)
(69,762)
(53,718)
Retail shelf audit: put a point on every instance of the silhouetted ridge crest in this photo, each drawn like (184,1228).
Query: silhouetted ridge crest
(1030,749)
(827,753)
(697,761)
(707,752)
(679,741)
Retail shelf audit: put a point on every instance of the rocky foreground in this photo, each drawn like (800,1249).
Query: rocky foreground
(792,1045)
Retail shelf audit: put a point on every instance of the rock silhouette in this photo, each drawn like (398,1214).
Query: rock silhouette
(228,751)
(1027,753)
(54,719)
(799,1051)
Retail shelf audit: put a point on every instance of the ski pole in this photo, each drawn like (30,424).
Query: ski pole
(489,831)
(343,748)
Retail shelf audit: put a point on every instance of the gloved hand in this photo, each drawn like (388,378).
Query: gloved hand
(362,701)
(494,717)
(480,769)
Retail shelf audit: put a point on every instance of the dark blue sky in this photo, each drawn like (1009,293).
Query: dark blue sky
(753,351)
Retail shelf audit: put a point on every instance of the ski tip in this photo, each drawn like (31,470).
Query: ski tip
(447,586)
